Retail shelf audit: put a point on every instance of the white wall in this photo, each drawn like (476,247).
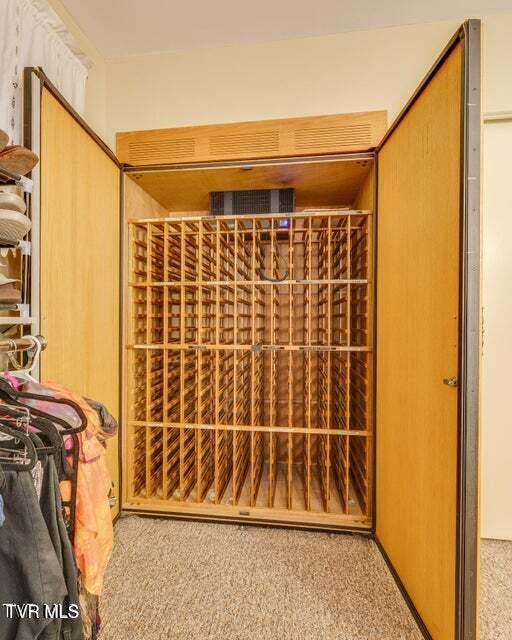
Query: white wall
(498,63)
(346,72)
(497,303)
(355,71)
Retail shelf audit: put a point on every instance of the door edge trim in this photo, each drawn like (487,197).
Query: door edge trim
(48,84)
(401,587)
(469,338)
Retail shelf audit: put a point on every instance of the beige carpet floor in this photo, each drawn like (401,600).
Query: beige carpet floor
(188,581)
(496,590)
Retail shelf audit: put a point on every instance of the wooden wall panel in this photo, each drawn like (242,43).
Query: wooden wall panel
(137,204)
(365,197)
(417,346)
(316,184)
(79,262)
(259,139)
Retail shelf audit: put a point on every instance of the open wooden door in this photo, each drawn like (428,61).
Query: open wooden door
(427,339)
(75,283)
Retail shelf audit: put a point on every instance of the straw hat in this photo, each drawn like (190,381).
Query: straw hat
(4,139)
(11,200)
(9,293)
(14,225)
(18,160)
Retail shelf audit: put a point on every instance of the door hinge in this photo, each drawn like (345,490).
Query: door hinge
(451,382)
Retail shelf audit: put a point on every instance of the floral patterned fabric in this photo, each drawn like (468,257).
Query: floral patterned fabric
(94,535)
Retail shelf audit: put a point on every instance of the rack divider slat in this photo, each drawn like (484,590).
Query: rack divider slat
(149,339)
(182,366)
(348,377)
(272,390)
(165,460)
(199,409)
(253,372)
(307,445)
(235,363)
(217,368)
(328,382)
(289,470)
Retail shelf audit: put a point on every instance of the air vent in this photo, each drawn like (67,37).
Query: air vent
(252,201)
(161,150)
(337,137)
(253,140)
(238,144)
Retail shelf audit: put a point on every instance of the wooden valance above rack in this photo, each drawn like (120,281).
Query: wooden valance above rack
(313,135)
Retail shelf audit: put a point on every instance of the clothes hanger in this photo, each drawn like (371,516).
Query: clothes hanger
(45,427)
(48,434)
(26,374)
(12,396)
(15,459)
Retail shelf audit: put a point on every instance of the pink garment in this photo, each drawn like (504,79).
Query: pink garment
(94,535)
(15,382)
(89,451)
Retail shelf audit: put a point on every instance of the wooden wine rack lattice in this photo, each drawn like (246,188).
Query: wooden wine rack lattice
(249,366)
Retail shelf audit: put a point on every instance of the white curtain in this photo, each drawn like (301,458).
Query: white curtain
(32,35)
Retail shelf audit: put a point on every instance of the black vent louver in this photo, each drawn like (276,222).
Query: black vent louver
(252,201)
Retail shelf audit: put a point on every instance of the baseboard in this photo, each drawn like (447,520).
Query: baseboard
(252,522)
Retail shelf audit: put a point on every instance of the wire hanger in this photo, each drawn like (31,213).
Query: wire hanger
(26,372)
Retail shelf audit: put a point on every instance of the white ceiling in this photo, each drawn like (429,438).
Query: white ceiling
(138,27)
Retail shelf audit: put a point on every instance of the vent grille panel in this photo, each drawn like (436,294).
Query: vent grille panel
(162,150)
(257,201)
(244,143)
(251,201)
(251,140)
(358,135)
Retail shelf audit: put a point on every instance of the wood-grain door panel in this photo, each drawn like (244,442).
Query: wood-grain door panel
(79,262)
(419,220)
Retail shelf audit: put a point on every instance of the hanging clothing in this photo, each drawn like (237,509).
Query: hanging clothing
(51,508)
(93,533)
(94,536)
(108,423)
(89,609)
(51,572)
(101,425)
(28,558)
